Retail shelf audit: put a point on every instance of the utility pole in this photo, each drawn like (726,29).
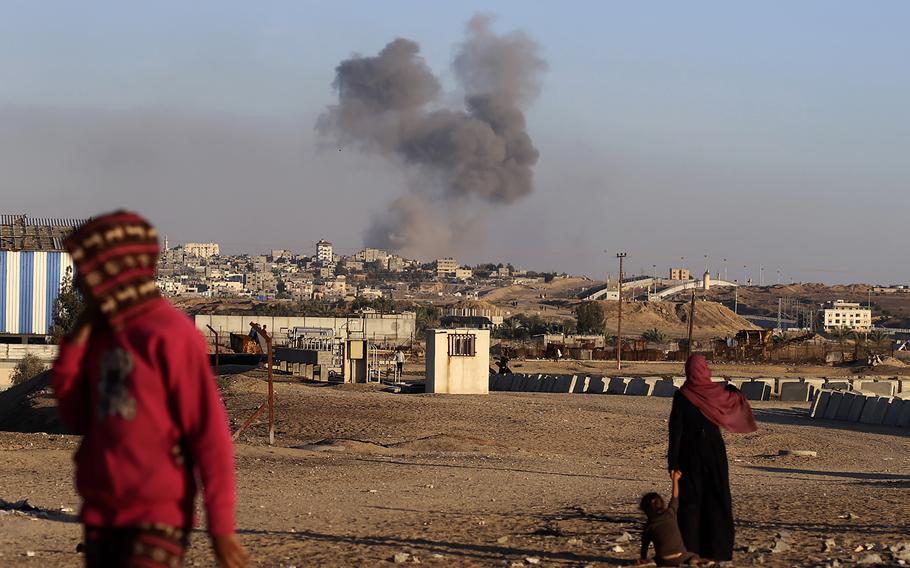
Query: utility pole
(779,301)
(735,297)
(725,269)
(620,256)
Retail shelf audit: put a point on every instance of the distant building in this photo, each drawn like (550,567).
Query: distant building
(464,273)
(324,252)
(281,253)
(446,267)
(201,250)
(372,255)
(680,274)
(849,315)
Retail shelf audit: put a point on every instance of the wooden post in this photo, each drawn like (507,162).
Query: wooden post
(217,346)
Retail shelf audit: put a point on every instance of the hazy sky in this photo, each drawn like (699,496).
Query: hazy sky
(770,133)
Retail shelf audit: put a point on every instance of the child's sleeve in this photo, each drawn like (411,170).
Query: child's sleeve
(676,428)
(69,384)
(204,424)
(674,504)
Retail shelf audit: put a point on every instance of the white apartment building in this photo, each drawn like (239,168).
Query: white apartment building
(446,267)
(202,250)
(324,252)
(850,315)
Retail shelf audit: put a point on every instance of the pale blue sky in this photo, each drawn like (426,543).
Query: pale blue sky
(750,131)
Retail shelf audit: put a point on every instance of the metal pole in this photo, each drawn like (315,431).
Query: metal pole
(271,400)
(217,347)
(736,299)
(620,256)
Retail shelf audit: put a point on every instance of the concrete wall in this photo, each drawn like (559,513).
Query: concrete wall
(397,328)
(457,375)
(11,353)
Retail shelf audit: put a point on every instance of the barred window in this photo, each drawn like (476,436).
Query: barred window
(462,345)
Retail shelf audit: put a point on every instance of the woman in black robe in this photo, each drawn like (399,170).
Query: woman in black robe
(700,409)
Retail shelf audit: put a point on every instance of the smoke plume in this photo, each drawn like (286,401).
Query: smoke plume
(460,159)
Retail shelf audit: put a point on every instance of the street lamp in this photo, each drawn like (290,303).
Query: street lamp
(725,269)
(620,256)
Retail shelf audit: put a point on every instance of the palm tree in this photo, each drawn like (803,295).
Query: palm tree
(655,335)
(879,338)
(841,334)
(859,340)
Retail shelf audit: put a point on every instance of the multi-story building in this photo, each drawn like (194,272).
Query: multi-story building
(324,252)
(281,253)
(335,288)
(680,274)
(446,266)
(372,255)
(201,250)
(849,315)
(464,273)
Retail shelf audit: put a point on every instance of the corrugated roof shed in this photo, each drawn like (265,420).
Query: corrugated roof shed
(23,233)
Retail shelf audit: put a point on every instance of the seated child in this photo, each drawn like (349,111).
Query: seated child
(662,530)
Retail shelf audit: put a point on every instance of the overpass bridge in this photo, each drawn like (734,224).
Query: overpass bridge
(689,285)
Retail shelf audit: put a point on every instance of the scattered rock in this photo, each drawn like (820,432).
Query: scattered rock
(626,537)
(780,546)
(532,560)
(828,545)
(871,558)
(617,548)
(502,539)
(575,541)
(798,453)
(401,557)
(372,491)
(30,553)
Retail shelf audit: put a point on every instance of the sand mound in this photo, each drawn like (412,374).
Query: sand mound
(446,443)
(340,445)
(711,319)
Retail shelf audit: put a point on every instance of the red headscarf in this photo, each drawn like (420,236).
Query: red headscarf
(728,409)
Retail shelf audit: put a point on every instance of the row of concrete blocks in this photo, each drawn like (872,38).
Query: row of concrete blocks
(581,384)
(862,407)
(790,390)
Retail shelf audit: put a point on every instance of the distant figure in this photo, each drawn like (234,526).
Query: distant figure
(700,409)
(503,365)
(133,379)
(558,353)
(662,530)
(399,362)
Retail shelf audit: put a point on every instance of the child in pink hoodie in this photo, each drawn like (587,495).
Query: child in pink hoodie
(133,379)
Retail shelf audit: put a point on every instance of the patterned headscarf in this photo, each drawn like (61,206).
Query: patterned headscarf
(115,255)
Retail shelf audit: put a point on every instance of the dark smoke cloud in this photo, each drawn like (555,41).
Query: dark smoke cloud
(462,158)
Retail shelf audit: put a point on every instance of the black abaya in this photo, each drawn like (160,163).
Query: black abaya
(705,513)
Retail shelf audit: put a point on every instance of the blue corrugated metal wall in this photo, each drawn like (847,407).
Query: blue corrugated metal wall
(53,287)
(26,289)
(29,286)
(2,289)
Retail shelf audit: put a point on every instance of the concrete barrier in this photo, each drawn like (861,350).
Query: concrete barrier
(904,419)
(520,382)
(757,390)
(617,385)
(856,408)
(846,403)
(664,388)
(563,383)
(791,391)
(771,382)
(738,382)
(820,404)
(838,385)
(545,384)
(834,403)
(639,387)
(893,413)
(598,384)
(874,409)
(581,384)
(883,388)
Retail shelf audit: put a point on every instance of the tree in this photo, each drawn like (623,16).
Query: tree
(427,317)
(27,368)
(841,334)
(879,338)
(590,316)
(67,307)
(655,335)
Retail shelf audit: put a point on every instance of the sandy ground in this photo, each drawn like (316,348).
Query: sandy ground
(359,475)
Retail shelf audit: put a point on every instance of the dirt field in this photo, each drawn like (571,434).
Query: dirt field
(359,475)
